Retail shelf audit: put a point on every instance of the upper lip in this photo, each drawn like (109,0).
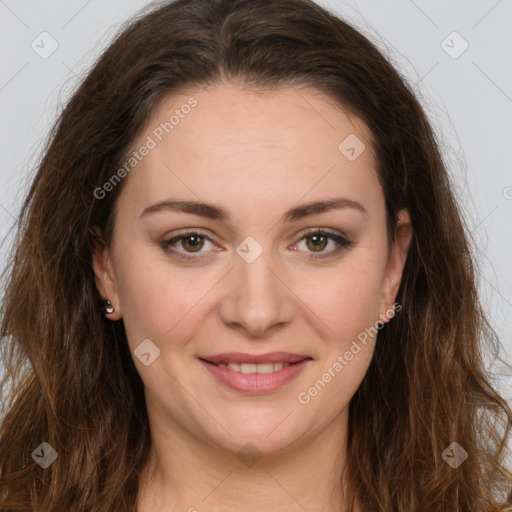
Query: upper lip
(270,357)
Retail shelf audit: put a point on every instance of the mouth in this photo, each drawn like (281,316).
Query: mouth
(246,368)
(255,374)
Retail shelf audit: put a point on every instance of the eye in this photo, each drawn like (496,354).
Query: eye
(192,242)
(317,240)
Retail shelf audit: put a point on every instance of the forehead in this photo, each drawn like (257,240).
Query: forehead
(229,142)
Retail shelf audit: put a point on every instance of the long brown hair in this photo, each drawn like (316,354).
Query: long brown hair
(70,376)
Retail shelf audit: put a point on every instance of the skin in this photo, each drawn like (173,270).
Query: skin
(256,155)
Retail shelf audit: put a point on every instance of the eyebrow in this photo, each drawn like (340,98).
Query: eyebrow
(214,212)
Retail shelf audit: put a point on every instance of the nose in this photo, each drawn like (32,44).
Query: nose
(257,299)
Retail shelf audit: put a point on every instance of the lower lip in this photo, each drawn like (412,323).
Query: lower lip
(255,383)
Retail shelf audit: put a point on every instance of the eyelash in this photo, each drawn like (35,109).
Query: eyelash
(342,242)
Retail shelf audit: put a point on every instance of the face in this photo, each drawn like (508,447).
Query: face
(253,319)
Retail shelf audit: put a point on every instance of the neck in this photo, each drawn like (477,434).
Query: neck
(185,473)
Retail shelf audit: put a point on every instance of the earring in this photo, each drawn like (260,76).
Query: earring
(107,307)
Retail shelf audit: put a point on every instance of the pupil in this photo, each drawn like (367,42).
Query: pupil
(193,240)
(318,240)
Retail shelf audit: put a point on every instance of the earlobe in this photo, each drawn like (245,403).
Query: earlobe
(396,263)
(104,277)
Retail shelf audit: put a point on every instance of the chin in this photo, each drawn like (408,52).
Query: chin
(268,433)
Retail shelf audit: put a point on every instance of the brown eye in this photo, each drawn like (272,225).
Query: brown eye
(192,243)
(318,242)
(187,245)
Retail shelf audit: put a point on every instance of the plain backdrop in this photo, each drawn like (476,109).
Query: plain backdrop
(456,55)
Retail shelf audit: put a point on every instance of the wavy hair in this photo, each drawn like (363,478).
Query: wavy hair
(70,379)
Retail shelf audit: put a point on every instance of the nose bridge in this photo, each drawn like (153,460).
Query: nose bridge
(256,299)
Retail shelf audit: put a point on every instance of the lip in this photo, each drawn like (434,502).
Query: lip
(256,383)
(241,357)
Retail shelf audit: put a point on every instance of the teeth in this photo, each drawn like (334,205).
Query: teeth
(254,368)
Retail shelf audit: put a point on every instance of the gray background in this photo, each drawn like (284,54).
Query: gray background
(468,96)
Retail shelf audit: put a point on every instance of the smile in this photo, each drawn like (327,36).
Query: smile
(253,374)
(254,368)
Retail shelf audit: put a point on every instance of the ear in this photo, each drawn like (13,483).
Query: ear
(104,273)
(395,265)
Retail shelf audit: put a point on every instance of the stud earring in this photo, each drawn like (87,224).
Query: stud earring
(107,307)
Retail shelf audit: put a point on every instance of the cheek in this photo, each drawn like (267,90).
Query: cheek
(155,301)
(347,298)
(349,306)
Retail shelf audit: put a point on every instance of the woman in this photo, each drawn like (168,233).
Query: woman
(242,283)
